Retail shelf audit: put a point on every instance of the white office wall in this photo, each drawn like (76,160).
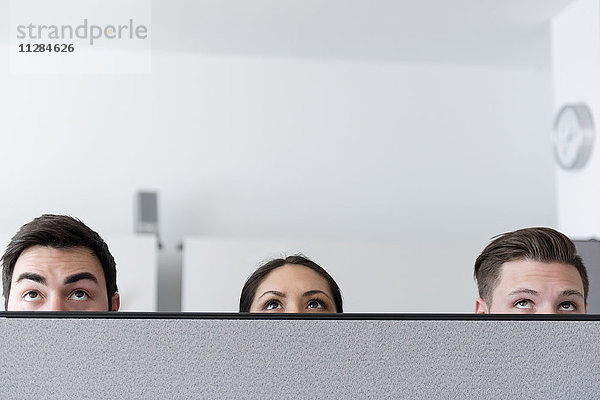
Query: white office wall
(137,270)
(240,146)
(576,62)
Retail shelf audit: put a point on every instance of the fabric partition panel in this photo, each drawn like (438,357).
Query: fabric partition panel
(418,356)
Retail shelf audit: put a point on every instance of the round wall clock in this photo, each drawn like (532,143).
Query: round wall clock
(573,136)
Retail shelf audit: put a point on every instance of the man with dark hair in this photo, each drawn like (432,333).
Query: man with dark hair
(57,263)
(532,270)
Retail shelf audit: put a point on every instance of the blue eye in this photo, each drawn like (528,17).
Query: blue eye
(567,306)
(523,304)
(79,295)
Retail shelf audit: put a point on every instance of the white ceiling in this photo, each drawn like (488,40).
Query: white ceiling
(495,32)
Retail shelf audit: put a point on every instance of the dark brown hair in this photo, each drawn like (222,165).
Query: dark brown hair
(59,232)
(537,244)
(249,289)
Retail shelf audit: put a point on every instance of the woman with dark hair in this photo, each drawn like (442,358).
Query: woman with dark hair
(293,284)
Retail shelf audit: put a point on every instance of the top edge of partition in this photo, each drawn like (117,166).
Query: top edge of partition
(273,316)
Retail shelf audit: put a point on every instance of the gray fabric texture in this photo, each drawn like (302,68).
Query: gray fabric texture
(210,359)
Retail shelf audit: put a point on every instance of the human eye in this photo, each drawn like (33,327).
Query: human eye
(79,295)
(524,304)
(315,303)
(567,306)
(32,295)
(272,305)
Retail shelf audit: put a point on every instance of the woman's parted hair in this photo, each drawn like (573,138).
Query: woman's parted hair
(252,283)
(59,232)
(537,244)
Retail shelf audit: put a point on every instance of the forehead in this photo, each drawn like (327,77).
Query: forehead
(51,262)
(294,276)
(538,276)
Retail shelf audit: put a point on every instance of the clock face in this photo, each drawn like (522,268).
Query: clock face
(573,136)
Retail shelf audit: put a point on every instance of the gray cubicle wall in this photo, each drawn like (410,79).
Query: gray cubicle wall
(589,250)
(159,356)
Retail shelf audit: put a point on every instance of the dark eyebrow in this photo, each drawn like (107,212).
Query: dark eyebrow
(571,292)
(276,293)
(524,291)
(313,292)
(32,277)
(77,277)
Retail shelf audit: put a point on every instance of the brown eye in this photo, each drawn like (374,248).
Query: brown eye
(272,305)
(79,295)
(31,296)
(315,304)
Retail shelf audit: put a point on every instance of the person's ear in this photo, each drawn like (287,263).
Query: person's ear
(115,302)
(586,307)
(481,306)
